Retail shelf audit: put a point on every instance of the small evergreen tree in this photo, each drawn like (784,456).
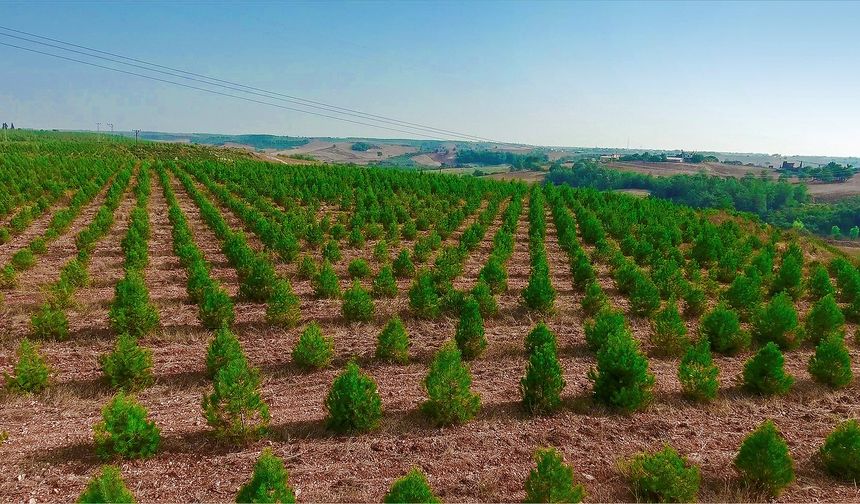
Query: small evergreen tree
(487,303)
(539,336)
(393,342)
(622,379)
(403,266)
(125,430)
(764,373)
(31,373)
(357,304)
(644,296)
(819,284)
(423,299)
(470,336)
(358,268)
(831,363)
(552,480)
(663,476)
(495,275)
(269,484)
(669,335)
(411,488)
(698,374)
(722,327)
(744,294)
(129,366)
(223,348)
(824,318)
(543,382)
(777,322)
(385,285)
(313,350)
(131,311)
(695,301)
(764,461)
(215,309)
(49,322)
(106,487)
(326,283)
(594,300)
(789,277)
(306,268)
(284,306)
(448,385)
(539,294)
(606,323)
(235,408)
(840,453)
(353,402)
(331,251)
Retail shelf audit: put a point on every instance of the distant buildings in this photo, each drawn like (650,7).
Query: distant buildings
(674,159)
(792,165)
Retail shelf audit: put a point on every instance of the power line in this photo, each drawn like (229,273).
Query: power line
(234,86)
(212,91)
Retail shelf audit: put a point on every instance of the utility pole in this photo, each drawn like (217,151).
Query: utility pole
(111,128)
(98,131)
(136,135)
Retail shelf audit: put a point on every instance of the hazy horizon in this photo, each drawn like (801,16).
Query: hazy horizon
(723,77)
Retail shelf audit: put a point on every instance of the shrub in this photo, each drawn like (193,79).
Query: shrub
(777,322)
(423,299)
(223,348)
(358,268)
(831,363)
(644,297)
(198,281)
(269,482)
(552,480)
(385,285)
(356,238)
(448,385)
(538,336)
(235,408)
(284,307)
(125,430)
(411,488)
(594,299)
(764,373)
(819,284)
(393,342)
(353,402)
(622,379)
(495,275)
(697,372)
(744,294)
(470,336)
(543,382)
(357,304)
(215,309)
(403,267)
(75,273)
(326,283)
(722,327)
(487,303)
(131,311)
(331,251)
(49,322)
(306,269)
(313,350)
(582,271)
(669,336)
(8,277)
(663,476)
(256,279)
(695,301)
(539,294)
(24,259)
(840,453)
(107,486)
(31,373)
(606,323)
(129,366)
(764,461)
(824,318)
(380,251)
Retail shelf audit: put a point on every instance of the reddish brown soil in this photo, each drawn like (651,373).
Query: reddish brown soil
(49,454)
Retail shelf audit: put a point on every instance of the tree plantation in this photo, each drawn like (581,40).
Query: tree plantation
(187,323)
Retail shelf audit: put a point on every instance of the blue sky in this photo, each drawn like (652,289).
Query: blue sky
(745,77)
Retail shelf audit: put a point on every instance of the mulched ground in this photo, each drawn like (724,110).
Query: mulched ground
(49,454)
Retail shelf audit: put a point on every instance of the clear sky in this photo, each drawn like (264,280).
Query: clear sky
(744,77)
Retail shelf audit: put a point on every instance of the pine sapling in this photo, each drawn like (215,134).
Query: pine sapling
(764,462)
(663,476)
(129,366)
(313,350)
(552,480)
(106,486)
(357,304)
(353,402)
(448,385)
(831,363)
(840,453)
(393,342)
(269,483)
(125,430)
(470,336)
(543,382)
(697,373)
(669,335)
(31,373)
(411,488)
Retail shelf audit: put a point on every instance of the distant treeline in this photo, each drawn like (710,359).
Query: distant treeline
(831,172)
(777,202)
(259,142)
(529,161)
(663,157)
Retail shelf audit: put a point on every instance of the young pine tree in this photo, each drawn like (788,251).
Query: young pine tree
(357,304)
(606,323)
(423,299)
(125,430)
(31,373)
(49,322)
(487,303)
(722,328)
(106,486)
(819,284)
(539,294)
(764,462)
(663,476)
(392,344)
(385,285)
(358,269)
(495,274)
(235,408)
(353,402)
(777,322)
(269,483)
(824,318)
(594,300)
(622,379)
(539,336)
(764,373)
(840,453)
(131,311)
(448,383)
(470,336)
(669,334)
(411,488)
(403,266)
(215,309)
(283,308)
(129,366)
(831,363)
(223,348)
(543,382)
(313,350)
(697,373)
(326,283)
(552,480)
